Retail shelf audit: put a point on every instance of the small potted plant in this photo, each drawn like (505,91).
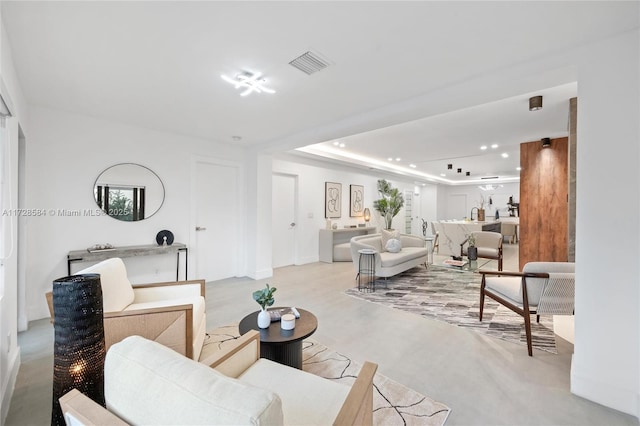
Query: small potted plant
(472,251)
(265,299)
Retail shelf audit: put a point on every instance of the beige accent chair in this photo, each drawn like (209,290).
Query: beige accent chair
(147,383)
(542,288)
(509,231)
(489,246)
(171,313)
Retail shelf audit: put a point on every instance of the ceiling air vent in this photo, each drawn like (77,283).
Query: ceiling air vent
(309,63)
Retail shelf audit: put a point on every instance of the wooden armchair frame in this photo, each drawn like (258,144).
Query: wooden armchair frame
(525,311)
(171,326)
(357,409)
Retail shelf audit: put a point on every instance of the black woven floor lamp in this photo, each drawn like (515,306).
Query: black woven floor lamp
(79,350)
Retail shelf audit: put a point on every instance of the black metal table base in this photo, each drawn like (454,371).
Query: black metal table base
(288,353)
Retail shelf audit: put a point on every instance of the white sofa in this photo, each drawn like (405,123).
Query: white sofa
(171,313)
(413,253)
(147,383)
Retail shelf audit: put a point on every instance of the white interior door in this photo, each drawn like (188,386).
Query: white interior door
(284,195)
(217,213)
(457,206)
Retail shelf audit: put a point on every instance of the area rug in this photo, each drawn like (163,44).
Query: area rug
(393,403)
(453,296)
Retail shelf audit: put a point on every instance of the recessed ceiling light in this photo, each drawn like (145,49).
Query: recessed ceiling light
(505,155)
(336,143)
(250,82)
(398,158)
(442,174)
(413,166)
(389,159)
(483,147)
(342,145)
(518,168)
(494,146)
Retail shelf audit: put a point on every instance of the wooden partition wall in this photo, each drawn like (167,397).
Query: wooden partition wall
(544,188)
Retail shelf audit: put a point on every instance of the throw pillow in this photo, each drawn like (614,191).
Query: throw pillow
(388,234)
(393,246)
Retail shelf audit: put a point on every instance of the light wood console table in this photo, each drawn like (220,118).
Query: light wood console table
(131,251)
(332,237)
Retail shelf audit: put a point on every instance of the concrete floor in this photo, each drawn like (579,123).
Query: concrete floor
(485,381)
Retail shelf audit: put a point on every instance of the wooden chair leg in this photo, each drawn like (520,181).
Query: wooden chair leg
(538,318)
(482,297)
(527,316)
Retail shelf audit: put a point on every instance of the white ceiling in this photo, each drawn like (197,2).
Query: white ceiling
(158,65)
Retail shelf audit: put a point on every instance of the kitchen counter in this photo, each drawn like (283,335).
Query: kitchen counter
(454,232)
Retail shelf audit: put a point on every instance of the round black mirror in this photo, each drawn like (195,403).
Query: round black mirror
(129,192)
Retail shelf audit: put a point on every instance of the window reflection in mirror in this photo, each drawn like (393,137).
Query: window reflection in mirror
(129,192)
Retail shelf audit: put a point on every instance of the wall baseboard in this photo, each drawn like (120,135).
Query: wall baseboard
(10,384)
(261,274)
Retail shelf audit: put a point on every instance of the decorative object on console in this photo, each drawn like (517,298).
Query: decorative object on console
(332,200)
(356,201)
(265,299)
(164,238)
(390,203)
(367,215)
(100,247)
(79,347)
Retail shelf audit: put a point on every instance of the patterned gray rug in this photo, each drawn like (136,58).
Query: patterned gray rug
(393,403)
(454,297)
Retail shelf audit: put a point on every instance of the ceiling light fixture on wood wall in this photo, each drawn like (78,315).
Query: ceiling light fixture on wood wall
(535,103)
(546,142)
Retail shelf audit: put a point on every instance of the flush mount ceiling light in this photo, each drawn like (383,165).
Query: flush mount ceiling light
(250,82)
(535,103)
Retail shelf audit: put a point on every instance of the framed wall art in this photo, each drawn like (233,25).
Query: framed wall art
(332,200)
(356,200)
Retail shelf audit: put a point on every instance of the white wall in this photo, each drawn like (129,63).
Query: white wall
(606,360)
(473,194)
(311,179)
(65,154)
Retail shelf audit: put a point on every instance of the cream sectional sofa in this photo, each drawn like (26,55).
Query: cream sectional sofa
(413,253)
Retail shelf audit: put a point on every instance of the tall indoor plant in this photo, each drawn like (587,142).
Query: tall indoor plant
(390,202)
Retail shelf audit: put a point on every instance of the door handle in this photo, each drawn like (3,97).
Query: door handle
(292,224)
(200,228)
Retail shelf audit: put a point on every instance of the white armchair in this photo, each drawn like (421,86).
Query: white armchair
(146,383)
(171,313)
(541,288)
